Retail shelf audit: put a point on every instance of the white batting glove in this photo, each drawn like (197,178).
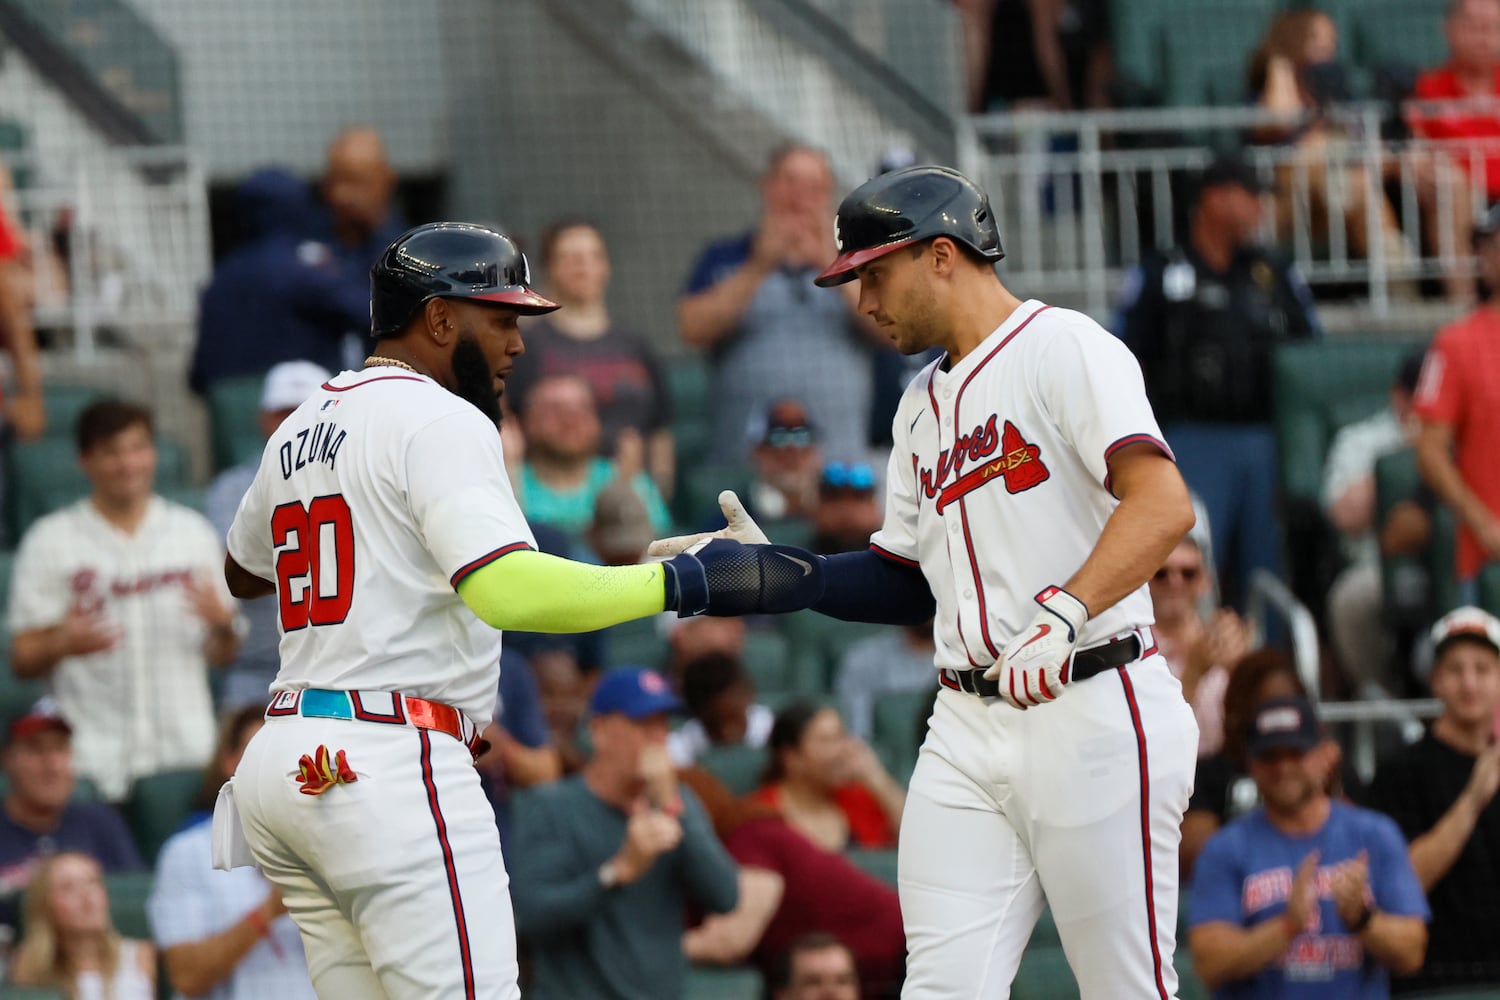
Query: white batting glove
(741,527)
(1037,664)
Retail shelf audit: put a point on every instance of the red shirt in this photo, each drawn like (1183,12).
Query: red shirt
(824,892)
(868,825)
(1460,387)
(10,237)
(1443,85)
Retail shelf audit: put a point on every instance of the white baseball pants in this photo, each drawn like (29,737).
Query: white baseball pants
(1076,804)
(395,879)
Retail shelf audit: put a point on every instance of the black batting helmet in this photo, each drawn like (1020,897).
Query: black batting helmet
(905,206)
(451,260)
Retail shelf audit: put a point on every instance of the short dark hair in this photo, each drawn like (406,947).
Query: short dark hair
(105,418)
(554,232)
(811,941)
(706,677)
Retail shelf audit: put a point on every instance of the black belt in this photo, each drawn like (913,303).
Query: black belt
(1086,663)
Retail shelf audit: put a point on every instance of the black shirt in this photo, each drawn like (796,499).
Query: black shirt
(1416,787)
(1205,338)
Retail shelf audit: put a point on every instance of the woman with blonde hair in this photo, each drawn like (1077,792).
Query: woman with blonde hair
(68,942)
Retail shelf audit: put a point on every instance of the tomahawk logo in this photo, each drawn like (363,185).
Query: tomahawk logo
(1019,464)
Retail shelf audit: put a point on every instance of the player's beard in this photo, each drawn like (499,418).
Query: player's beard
(472,378)
(919,330)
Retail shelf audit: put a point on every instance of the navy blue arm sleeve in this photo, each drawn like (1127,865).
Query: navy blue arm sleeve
(867,587)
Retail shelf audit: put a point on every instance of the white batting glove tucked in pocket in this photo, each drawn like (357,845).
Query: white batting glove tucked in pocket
(740,527)
(1037,664)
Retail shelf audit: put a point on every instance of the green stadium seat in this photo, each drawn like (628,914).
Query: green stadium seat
(1407,582)
(10,991)
(897,720)
(1189,986)
(157,806)
(817,645)
(701,486)
(1397,33)
(1137,41)
(1044,935)
(880,863)
(128,892)
(767,660)
(1489,588)
(635,643)
(64,404)
(1044,975)
(707,983)
(234,416)
(1455,993)
(1319,386)
(739,767)
(1198,43)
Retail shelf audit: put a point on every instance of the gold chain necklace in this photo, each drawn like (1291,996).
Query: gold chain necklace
(376,359)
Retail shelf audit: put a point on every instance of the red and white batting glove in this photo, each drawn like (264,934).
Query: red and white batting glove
(1037,664)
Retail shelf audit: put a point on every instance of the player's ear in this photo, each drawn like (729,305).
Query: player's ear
(944,255)
(439,318)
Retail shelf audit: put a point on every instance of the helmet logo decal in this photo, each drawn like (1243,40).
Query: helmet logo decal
(838,237)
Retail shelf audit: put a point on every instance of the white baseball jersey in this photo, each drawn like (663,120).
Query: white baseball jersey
(143,706)
(998,485)
(374,499)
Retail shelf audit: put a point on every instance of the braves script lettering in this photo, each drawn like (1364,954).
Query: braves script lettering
(1019,464)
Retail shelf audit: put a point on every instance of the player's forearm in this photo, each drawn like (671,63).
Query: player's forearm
(708,872)
(1223,952)
(550,903)
(1434,852)
(221,646)
(1154,514)
(1397,942)
(709,316)
(196,967)
(530,591)
(37,652)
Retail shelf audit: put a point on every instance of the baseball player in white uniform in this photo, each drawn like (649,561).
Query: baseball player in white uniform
(384,523)
(1029,498)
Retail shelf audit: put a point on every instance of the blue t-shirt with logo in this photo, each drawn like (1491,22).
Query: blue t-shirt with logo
(1245,873)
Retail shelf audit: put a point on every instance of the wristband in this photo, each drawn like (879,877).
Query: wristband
(1364,920)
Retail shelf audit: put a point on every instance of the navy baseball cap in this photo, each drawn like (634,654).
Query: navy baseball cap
(1284,723)
(635,693)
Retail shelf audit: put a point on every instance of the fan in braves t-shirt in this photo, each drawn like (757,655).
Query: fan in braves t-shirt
(1304,897)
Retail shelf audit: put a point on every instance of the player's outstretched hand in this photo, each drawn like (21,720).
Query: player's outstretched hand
(740,527)
(723,578)
(1036,665)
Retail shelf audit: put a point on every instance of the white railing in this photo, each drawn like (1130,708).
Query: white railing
(1084,196)
(791,85)
(119,240)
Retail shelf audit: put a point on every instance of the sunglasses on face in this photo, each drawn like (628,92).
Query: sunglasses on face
(849,476)
(789,437)
(1188,573)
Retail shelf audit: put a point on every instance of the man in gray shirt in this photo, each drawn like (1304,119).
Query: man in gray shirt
(751,305)
(604,863)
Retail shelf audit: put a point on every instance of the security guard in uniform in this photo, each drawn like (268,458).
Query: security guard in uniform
(1204,319)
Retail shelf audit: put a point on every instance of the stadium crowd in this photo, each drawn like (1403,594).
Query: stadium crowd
(640,775)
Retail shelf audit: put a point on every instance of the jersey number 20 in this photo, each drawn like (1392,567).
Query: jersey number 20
(315,575)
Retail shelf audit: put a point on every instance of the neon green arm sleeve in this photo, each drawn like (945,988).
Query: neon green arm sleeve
(528,591)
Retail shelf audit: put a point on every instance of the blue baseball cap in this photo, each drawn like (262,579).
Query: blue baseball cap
(1289,723)
(635,693)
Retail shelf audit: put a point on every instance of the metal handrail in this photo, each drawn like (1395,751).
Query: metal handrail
(1266,591)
